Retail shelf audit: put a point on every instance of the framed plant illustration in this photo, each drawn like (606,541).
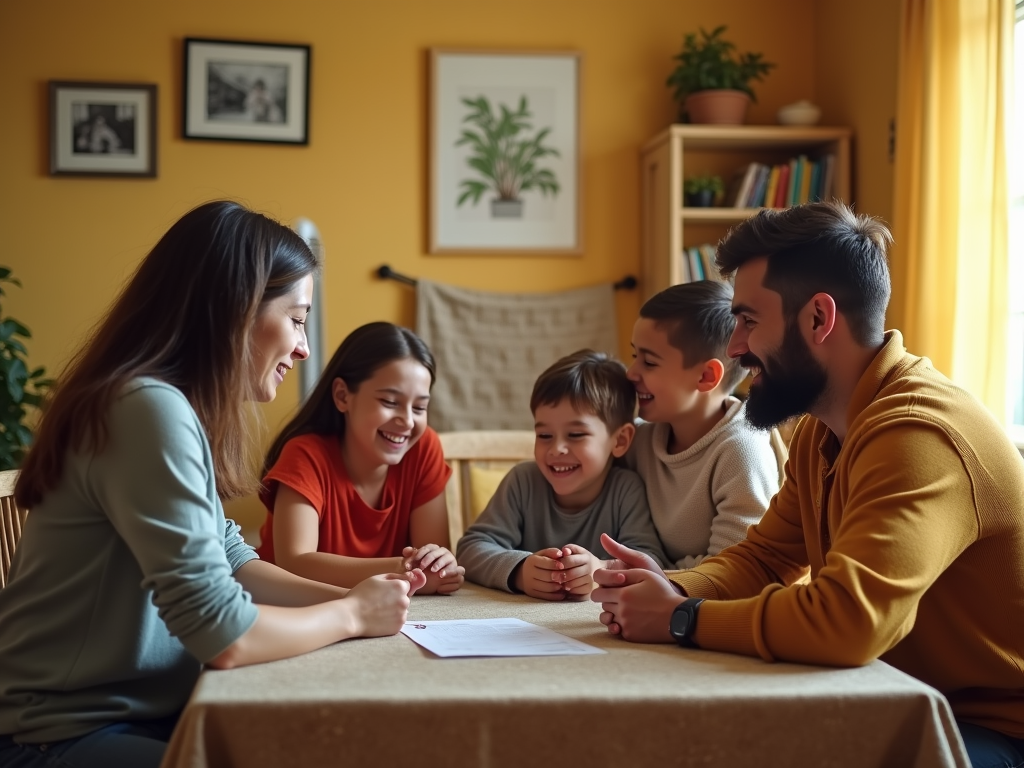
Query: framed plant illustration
(238,91)
(102,129)
(505,145)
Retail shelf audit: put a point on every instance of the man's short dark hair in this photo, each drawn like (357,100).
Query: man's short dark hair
(593,382)
(819,248)
(697,317)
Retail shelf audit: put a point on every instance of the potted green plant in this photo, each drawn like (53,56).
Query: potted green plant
(703,191)
(712,82)
(20,389)
(505,156)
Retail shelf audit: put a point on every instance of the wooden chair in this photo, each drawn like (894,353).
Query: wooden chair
(485,454)
(12,520)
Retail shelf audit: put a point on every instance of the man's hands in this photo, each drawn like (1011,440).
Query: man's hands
(382,602)
(636,597)
(558,573)
(626,558)
(444,575)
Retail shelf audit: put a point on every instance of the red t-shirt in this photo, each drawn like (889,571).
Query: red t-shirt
(312,465)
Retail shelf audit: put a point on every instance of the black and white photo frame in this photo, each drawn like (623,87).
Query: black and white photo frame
(246,91)
(102,129)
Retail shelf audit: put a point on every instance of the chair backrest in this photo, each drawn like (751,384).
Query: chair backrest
(492,453)
(12,520)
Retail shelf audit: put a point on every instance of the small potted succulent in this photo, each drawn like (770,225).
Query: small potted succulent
(712,82)
(703,191)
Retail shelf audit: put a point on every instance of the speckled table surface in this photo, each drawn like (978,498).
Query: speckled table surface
(388,702)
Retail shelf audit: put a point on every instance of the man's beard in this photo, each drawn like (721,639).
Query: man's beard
(790,384)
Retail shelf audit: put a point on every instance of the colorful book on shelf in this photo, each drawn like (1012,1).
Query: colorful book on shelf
(806,174)
(827,176)
(773,186)
(707,258)
(745,184)
(760,186)
(696,268)
(814,192)
(793,188)
(803,175)
(782,190)
(735,186)
(683,259)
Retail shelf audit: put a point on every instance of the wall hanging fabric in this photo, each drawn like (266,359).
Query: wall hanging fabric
(490,347)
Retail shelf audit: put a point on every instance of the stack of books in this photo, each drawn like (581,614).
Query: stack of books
(801,180)
(698,263)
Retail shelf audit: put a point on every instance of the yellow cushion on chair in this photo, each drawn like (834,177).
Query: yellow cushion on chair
(483,482)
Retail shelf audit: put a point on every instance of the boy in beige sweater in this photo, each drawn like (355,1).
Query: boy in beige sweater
(709,474)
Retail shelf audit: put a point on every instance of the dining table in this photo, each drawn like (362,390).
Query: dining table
(387,701)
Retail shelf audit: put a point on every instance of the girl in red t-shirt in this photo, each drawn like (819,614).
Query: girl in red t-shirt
(354,484)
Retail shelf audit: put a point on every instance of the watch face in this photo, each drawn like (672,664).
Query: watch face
(680,622)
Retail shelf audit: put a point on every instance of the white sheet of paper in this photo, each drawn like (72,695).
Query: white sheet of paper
(493,637)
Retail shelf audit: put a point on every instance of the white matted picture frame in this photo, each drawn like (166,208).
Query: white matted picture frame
(246,91)
(102,129)
(505,152)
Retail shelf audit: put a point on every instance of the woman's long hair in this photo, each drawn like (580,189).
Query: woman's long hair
(185,318)
(363,351)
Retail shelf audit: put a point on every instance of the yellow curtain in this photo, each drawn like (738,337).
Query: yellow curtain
(950,208)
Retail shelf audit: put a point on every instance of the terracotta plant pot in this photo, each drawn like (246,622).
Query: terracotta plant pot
(717,107)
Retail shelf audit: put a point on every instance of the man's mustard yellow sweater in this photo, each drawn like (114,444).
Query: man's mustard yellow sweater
(913,530)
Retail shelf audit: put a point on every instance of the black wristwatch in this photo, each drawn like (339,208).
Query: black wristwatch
(683,623)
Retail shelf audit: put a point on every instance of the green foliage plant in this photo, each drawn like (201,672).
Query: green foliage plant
(20,389)
(503,152)
(696,184)
(709,62)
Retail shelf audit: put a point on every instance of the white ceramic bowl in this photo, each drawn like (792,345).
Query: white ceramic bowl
(799,113)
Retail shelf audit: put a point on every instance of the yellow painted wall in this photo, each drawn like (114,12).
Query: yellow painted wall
(856,59)
(363,178)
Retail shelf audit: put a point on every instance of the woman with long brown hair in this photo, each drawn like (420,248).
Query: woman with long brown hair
(128,577)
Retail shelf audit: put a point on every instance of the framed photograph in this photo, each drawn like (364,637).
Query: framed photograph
(102,129)
(237,91)
(504,152)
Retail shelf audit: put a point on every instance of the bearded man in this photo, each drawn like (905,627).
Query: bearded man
(903,496)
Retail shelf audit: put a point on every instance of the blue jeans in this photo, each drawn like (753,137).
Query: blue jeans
(991,749)
(133,745)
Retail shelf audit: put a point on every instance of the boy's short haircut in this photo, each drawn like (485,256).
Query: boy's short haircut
(593,382)
(698,319)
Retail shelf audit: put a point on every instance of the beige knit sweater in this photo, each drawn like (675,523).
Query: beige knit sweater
(703,499)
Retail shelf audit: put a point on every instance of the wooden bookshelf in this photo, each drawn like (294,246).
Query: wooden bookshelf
(681,151)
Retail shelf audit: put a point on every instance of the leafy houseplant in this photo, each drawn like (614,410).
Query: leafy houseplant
(20,389)
(505,156)
(709,63)
(703,191)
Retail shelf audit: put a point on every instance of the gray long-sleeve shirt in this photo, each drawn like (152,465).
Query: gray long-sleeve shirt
(122,582)
(523,518)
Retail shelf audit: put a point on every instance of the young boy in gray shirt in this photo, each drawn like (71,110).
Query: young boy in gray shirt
(540,534)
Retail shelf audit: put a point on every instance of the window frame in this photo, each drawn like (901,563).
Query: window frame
(1014,416)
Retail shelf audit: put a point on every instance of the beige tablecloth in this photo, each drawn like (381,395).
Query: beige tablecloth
(387,702)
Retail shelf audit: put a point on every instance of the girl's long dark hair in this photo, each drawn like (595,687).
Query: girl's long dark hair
(363,351)
(185,318)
